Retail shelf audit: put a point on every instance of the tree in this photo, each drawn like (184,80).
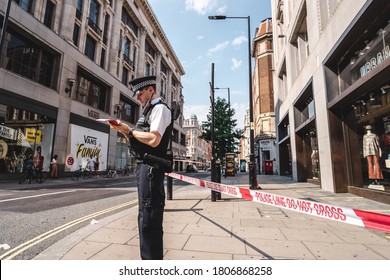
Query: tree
(226,136)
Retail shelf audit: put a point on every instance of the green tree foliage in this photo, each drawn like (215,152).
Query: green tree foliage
(226,136)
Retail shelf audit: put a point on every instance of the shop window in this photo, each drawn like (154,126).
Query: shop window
(24,133)
(32,60)
(284,129)
(304,111)
(92,92)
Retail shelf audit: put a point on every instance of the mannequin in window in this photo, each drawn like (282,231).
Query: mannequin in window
(372,151)
(314,154)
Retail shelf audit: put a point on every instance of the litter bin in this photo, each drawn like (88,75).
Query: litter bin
(269,167)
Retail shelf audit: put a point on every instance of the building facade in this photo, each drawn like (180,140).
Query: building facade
(244,145)
(263,99)
(332,82)
(65,64)
(198,149)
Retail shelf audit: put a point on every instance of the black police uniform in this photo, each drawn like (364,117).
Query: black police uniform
(151,193)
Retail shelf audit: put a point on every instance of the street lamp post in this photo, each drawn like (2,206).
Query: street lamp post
(252,165)
(228,94)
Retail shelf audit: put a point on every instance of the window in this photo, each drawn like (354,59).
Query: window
(126,51)
(125,76)
(49,14)
(300,41)
(164,69)
(26,5)
(79,9)
(106,26)
(90,47)
(93,19)
(76,33)
(31,60)
(92,92)
(103,58)
(127,20)
(94,8)
(147,69)
(149,50)
(130,111)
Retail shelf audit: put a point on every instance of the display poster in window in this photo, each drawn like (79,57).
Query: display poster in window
(84,143)
(386,124)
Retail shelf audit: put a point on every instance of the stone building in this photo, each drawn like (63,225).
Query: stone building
(65,64)
(332,89)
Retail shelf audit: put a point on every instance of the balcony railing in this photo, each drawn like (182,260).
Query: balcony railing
(94,27)
(128,60)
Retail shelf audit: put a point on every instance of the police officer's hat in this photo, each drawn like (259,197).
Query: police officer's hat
(139,84)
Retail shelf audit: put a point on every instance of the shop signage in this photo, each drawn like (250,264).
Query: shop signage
(375,61)
(33,135)
(7,132)
(83,144)
(93,114)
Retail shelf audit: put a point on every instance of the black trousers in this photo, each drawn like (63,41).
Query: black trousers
(151,200)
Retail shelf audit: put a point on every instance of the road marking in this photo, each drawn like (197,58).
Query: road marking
(9,255)
(123,183)
(38,195)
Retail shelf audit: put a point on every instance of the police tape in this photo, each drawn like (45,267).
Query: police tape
(360,218)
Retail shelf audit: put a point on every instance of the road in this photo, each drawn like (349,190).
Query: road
(35,216)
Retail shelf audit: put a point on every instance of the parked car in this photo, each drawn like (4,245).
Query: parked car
(191,168)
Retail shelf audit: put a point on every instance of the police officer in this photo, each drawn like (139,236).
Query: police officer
(150,136)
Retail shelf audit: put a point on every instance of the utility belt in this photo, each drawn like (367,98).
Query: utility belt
(164,163)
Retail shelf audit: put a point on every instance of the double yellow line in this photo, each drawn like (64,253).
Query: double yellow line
(9,255)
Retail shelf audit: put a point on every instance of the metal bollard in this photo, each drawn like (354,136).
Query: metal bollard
(218,178)
(169,187)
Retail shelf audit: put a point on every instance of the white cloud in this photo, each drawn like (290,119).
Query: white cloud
(219,47)
(221,10)
(200,37)
(239,40)
(236,63)
(200,6)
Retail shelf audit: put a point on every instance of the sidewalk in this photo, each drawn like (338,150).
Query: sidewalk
(232,228)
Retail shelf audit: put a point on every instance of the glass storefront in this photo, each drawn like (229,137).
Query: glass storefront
(123,157)
(22,134)
(372,116)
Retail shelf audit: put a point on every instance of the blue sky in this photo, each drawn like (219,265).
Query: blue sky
(198,42)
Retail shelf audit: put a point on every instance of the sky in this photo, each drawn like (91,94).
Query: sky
(198,42)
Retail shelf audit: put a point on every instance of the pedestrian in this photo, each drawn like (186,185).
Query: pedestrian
(151,135)
(90,164)
(38,158)
(96,166)
(53,165)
